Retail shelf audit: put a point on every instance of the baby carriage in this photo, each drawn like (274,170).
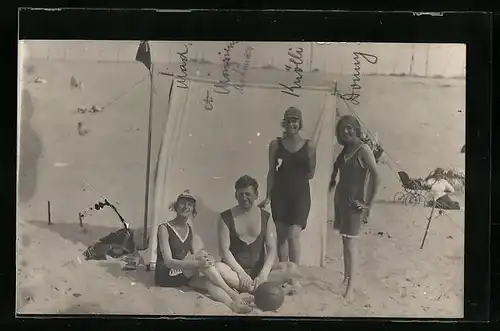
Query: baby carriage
(414,190)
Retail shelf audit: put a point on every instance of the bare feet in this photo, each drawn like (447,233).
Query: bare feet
(233,295)
(292,287)
(248,300)
(348,295)
(241,306)
(287,289)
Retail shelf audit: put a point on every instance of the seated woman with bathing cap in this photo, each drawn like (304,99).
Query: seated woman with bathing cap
(181,259)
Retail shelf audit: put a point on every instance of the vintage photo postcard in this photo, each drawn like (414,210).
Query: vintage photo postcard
(241,178)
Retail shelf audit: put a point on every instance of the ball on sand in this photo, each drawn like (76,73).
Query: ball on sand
(269,296)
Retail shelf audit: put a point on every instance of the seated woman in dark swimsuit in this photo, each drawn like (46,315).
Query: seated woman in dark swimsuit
(182,261)
(288,188)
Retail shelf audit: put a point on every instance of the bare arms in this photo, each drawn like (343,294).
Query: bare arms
(170,262)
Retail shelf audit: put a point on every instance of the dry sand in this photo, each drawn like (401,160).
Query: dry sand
(417,120)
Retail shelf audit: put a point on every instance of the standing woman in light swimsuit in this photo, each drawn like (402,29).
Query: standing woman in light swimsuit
(288,188)
(352,201)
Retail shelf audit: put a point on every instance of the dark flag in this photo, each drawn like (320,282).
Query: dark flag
(462,150)
(144,54)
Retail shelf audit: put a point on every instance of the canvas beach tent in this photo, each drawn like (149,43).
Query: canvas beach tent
(210,139)
(206,151)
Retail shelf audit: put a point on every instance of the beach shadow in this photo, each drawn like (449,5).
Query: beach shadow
(83,309)
(85,235)
(30,150)
(388,202)
(140,275)
(320,279)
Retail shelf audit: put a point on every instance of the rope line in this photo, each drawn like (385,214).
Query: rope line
(127,91)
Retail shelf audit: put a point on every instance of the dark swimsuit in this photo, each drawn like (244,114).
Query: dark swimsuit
(291,193)
(250,257)
(353,173)
(164,276)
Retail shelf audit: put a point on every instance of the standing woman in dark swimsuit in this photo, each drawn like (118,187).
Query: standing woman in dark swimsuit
(182,261)
(292,163)
(352,200)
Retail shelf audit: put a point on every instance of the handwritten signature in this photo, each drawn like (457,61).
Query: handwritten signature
(296,60)
(223,85)
(181,80)
(352,96)
(244,68)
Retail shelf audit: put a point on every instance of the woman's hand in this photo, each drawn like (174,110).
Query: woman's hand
(206,259)
(201,264)
(246,282)
(360,205)
(264,203)
(332,184)
(261,278)
(209,261)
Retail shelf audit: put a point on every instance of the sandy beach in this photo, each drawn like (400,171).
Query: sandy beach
(420,122)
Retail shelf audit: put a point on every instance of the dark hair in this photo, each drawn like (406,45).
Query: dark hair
(347,119)
(246,181)
(174,206)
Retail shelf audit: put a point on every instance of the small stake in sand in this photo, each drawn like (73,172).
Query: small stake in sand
(428,223)
(48,212)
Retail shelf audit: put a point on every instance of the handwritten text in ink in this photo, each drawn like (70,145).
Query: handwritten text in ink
(295,63)
(353,96)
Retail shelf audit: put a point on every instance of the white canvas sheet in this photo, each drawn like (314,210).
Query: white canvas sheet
(206,151)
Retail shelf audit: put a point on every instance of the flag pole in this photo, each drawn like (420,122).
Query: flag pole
(148,160)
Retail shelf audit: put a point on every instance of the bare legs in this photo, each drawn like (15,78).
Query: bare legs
(229,276)
(282,236)
(347,260)
(285,273)
(219,290)
(288,242)
(288,274)
(350,264)
(289,250)
(294,232)
(214,276)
